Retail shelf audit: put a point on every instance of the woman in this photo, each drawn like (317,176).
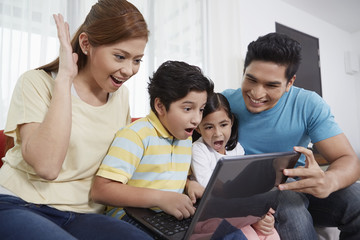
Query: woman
(63,117)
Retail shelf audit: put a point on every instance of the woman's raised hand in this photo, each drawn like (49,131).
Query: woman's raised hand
(67,59)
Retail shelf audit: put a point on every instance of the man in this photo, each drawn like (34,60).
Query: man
(276,116)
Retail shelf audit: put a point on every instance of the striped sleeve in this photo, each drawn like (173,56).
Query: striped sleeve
(123,156)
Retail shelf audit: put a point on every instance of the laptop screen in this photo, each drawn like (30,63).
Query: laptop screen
(241,190)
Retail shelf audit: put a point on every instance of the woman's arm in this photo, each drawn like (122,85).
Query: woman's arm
(44,145)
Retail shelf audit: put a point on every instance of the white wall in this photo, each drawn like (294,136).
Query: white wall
(258,17)
(356,44)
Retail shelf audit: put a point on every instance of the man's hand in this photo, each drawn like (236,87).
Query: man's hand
(313,179)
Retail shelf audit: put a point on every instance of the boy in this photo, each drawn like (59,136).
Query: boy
(148,162)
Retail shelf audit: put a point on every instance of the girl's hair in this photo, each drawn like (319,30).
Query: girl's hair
(216,102)
(108,22)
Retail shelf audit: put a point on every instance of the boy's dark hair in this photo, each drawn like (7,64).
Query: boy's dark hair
(277,48)
(216,102)
(173,80)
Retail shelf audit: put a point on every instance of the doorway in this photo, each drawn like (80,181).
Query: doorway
(308,76)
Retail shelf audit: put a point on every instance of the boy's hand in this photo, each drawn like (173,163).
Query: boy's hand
(194,190)
(176,204)
(266,225)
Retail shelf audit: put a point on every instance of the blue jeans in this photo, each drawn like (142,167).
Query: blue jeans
(133,222)
(225,230)
(23,220)
(297,214)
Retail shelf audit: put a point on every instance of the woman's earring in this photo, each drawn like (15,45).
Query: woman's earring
(85,52)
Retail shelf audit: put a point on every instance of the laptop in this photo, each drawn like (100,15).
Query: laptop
(241,190)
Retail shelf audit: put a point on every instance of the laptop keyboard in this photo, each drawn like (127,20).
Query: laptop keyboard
(168,224)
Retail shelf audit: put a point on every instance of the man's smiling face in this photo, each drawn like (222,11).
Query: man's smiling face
(263,85)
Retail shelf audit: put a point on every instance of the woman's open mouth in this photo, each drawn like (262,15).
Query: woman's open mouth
(116,80)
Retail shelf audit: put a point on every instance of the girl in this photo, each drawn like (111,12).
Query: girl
(219,137)
(63,117)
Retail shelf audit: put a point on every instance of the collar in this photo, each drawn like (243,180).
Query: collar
(159,127)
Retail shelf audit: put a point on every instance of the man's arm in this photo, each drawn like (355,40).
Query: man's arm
(344,168)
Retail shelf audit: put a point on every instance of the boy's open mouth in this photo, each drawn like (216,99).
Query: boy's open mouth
(189,130)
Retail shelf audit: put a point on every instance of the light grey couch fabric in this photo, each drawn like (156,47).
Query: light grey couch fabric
(328,233)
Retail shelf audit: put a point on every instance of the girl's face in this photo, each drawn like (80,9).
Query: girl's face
(215,130)
(111,65)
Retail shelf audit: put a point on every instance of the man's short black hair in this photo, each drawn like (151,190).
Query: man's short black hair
(277,48)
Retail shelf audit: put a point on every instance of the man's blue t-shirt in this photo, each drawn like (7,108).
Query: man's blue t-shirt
(300,116)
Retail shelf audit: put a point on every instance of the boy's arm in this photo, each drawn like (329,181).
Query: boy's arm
(118,167)
(193,189)
(109,192)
